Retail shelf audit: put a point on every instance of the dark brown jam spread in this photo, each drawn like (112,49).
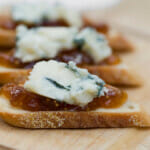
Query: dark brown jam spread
(100,27)
(54,23)
(79,57)
(20,98)
(7,23)
(111,60)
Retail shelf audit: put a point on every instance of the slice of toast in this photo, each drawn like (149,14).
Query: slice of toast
(115,74)
(116,41)
(7,37)
(128,115)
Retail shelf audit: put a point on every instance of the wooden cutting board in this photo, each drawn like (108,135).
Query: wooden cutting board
(102,139)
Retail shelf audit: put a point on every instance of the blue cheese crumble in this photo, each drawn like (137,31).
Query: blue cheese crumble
(47,42)
(43,42)
(64,82)
(36,13)
(95,44)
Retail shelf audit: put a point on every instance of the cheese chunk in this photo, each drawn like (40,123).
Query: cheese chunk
(59,12)
(95,44)
(28,13)
(47,42)
(36,13)
(41,42)
(64,83)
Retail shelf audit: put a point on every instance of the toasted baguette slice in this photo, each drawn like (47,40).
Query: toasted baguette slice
(128,115)
(115,75)
(119,43)
(116,41)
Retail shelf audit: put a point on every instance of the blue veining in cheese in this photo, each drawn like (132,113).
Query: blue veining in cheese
(95,44)
(64,83)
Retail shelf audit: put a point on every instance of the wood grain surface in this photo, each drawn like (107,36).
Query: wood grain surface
(101,139)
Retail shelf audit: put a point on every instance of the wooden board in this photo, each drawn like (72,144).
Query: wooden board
(103,139)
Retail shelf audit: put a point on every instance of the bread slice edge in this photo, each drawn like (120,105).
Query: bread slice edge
(111,74)
(128,115)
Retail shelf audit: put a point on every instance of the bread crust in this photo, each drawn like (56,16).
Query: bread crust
(119,43)
(112,74)
(13,75)
(66,119)
(116,74)
(74,119)
(7,38)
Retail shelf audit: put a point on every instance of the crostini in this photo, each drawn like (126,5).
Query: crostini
(61,95)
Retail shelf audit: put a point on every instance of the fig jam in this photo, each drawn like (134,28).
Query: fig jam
(9,24)
(21,98)
(57,23)
(101,27)
(79,57)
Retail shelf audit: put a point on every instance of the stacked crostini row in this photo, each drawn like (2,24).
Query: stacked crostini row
(56,66)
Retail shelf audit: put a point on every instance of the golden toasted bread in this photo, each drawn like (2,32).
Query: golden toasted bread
(118,42)
(128,115)
(7,38)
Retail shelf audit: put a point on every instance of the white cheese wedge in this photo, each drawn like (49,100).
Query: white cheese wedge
(93,43)
(28,13)
(35,13)
(59,12)
(64,82)
(41,42)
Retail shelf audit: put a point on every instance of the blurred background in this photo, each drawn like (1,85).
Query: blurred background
(131,15)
